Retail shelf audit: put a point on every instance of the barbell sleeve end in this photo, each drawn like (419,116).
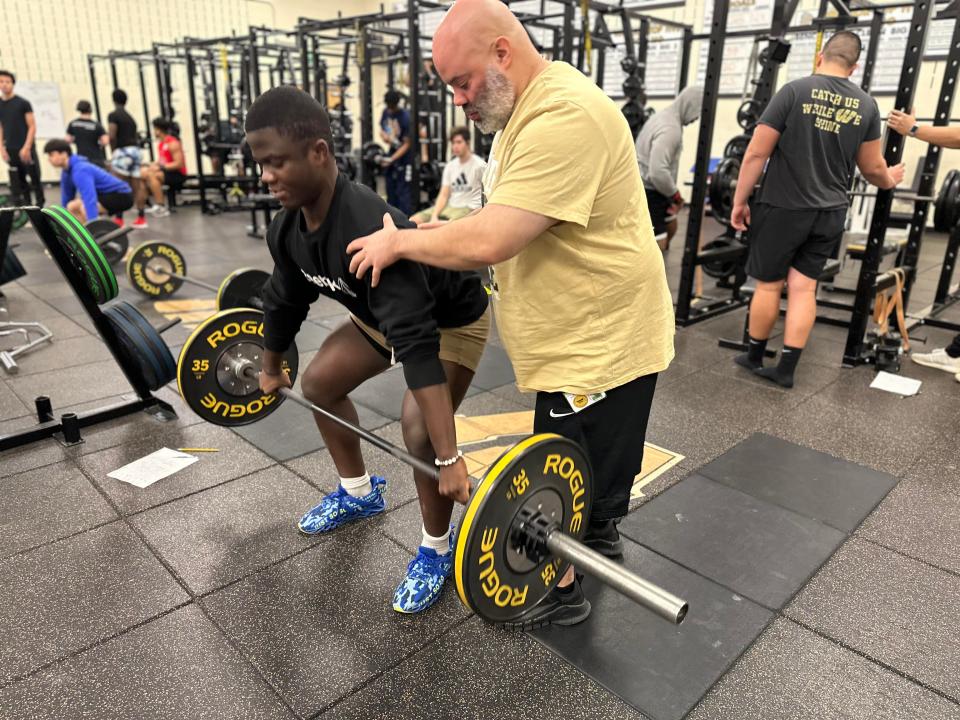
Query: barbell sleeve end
(645,593)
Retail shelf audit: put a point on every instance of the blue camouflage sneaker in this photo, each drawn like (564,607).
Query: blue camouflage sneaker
(423,584)
(340,507)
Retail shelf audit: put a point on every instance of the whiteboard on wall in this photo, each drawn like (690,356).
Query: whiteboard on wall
(47,108)
(745,15)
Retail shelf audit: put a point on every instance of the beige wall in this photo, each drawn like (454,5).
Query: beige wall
(47,40)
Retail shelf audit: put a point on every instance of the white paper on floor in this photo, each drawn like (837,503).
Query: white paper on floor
(155,466)
(896,384)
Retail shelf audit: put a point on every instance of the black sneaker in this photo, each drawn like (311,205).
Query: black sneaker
(604,537)
(557,608)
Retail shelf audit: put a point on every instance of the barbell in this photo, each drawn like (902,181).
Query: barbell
(522,524)
(112,239)
(158,269)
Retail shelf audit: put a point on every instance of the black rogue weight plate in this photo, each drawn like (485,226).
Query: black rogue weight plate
(723,186)
(134,347)
(154,344)
(210,371)
(113,248)
(86,256)
(241,288)
(149,267)
(543,472)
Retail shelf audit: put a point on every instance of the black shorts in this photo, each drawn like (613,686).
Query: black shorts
(611,432)
(116,202)
(659,206)
(803,239)
(173,179)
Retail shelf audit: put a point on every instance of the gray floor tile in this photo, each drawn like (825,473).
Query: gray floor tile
(494,370)
(62,597)
(921,518)
(661,669)
(811,483)
(72,385)
(405,524)
(311,336)
(234,457)
(12,406)
(882,442)
(39,506)
(793,674)
(892,608)
(318,469)
(61,353)
(539,684)
(757,549)
(217,536)
(510,392)
(320,624)
(177,666)
(291,432)
(383,393)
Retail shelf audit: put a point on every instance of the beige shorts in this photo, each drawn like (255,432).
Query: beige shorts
(460,345)
(448,213)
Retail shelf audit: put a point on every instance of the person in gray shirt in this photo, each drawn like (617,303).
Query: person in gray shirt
(658,153)
(813,133)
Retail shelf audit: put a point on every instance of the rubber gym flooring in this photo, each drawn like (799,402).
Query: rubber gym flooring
(815,533)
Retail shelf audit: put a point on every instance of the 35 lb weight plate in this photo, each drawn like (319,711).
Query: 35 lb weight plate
(544,473)
(149,269)
(211,371)
(241,288)
(86,255)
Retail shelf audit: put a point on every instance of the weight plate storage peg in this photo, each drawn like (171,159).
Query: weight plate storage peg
(210,373)
(152,269)
(86,255)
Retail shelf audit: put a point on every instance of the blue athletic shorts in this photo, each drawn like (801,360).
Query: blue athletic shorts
(126,161)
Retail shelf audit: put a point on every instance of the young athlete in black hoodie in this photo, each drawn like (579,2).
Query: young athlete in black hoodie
(433,321)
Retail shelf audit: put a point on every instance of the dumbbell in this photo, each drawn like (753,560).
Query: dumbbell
(158,269)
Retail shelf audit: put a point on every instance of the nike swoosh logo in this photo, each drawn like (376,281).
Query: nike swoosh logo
(553,414)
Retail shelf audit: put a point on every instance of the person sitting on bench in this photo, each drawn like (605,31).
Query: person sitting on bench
(100,193)
(169,171)
(461,186)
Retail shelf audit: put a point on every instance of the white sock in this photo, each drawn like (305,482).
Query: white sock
(357,486)
(440,545)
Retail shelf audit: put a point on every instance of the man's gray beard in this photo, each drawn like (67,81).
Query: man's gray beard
(496,104)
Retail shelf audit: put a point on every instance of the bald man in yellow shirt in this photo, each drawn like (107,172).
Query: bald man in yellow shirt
(579,288)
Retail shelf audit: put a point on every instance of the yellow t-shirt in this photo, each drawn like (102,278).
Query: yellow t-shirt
(585,307)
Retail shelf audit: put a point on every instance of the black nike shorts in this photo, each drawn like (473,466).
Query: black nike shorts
(611,432)
(781,239)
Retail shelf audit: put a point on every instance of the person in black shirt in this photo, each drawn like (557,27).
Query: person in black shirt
(126,158)
(434,322)
(88,135)
(813,132)
(18,128)
(397,168)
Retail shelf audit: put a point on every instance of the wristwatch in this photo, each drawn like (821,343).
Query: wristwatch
(913,130)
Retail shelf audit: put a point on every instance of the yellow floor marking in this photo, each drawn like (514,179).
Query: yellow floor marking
(191,311)
(656,461)
(483,428)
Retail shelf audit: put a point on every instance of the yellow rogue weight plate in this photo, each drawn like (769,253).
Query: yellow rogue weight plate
(148,268)
(218,367)
(544,473)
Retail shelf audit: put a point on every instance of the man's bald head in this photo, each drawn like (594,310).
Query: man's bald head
(483,53)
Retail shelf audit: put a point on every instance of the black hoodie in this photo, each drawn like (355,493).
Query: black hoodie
(409,305)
